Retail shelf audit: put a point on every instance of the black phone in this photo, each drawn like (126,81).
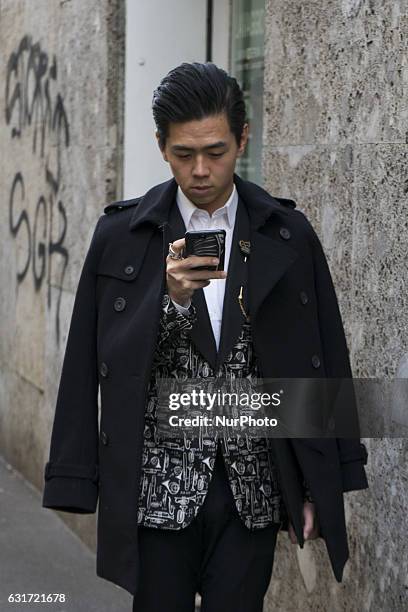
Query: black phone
(206,243)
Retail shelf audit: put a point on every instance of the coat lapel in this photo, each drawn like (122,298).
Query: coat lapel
(270,256)
(232,316)
(268,262)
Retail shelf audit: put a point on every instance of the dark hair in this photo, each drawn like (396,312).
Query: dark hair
(194,91)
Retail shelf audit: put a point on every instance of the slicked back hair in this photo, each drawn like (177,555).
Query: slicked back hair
(194,91)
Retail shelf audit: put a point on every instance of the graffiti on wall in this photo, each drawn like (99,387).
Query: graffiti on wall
(35,110)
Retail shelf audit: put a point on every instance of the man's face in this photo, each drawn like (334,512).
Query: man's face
(202,153)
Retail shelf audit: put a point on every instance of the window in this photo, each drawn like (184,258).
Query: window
(247,66)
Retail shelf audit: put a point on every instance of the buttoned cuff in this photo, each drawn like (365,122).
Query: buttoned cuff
(177,316)
(185,310)
(173,322)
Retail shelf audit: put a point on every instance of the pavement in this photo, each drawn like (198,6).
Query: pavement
(40,554)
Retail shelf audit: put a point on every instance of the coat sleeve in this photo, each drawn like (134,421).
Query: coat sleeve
(71,474)
(352,453)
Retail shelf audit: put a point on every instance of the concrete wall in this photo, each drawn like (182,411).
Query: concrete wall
(335,140)
(61,104)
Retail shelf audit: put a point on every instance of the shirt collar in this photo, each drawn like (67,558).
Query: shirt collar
(187,207)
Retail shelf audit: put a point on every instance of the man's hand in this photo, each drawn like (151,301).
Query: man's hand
(183,279)
(311,529)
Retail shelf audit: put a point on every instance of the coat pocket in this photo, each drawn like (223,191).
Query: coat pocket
(125,271)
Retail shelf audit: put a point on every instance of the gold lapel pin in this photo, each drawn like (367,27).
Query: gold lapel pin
(245,248)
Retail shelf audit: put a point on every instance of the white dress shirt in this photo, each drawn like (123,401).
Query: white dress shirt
(198,219)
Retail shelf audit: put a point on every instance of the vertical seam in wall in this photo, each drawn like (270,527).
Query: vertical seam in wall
(116,40)
(209,36)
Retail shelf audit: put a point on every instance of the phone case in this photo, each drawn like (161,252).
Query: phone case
(207,243)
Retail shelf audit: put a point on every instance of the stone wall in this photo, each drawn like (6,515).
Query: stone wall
(60,144)
(335,140)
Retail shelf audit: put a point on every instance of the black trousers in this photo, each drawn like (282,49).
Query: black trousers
(215,555)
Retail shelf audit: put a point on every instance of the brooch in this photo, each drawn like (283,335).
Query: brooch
(245,248)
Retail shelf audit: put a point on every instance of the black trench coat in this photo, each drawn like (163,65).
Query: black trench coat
(111,345)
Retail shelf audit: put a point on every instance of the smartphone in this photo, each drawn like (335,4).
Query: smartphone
(206,243)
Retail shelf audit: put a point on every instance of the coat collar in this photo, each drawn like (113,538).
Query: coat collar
(155,205)
(270,258)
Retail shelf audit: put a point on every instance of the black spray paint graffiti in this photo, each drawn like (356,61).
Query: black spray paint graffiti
(33,106)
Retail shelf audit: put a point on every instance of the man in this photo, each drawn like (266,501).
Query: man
(178,516)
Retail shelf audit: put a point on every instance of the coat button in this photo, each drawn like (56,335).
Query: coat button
(285,233)
(315,361)
(304,297)
(104,438)
(119,304)
(129,269)
(104,369)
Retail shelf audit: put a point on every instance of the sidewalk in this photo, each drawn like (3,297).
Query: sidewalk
(39,554)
